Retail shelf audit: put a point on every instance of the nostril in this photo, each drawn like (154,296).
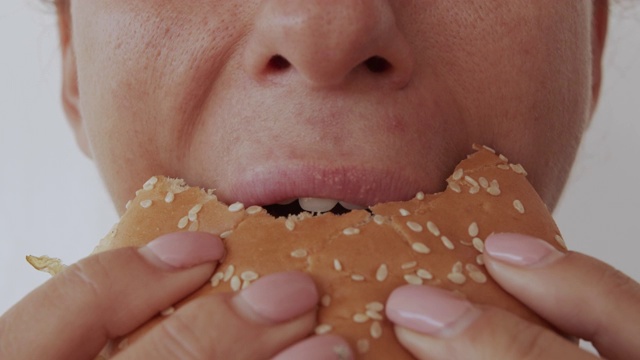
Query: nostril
(277,62)
(377,64)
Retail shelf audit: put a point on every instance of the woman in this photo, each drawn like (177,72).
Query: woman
(248,96)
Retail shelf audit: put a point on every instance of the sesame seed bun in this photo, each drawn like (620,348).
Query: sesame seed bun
(357,258)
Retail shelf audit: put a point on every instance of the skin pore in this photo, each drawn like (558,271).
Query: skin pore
(324,98)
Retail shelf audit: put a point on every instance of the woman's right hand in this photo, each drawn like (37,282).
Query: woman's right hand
(108,295)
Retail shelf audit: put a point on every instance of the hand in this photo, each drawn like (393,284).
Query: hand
(108,295)
(581,296)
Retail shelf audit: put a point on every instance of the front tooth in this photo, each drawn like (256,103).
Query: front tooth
(316,204)
(350,206)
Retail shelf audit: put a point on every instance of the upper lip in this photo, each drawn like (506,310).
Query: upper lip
(361,185)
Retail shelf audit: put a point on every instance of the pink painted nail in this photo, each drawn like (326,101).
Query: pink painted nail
(323,347)
(521,250)
(282,296)
(183,249)
(430,310)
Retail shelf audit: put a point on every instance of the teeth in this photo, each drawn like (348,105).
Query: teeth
(316,204)
(350,206)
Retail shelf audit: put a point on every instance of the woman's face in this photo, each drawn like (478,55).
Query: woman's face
(356,100)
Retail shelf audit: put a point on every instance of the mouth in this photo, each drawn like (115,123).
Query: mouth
(289,189)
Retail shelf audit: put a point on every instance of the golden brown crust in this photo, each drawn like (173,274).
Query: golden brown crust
(358,258)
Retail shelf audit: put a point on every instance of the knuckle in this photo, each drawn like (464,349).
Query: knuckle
(531,343)
(86,277)
(178,339)
(617,282)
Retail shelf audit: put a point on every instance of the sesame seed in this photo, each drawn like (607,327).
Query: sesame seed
(409,265)
(455,187)
(413,279)
(229,273)
(433,228)
(252,210)
(420,195)
(488,148)
(290,224)
(503,167)
(503,158)
(378,219)
(299,253)
(382,272)
(216,278)
(447,243)
(337,265)
(342,352)
(474,190)
(195,210)
(235,207)
(150,183)
(326,300)
(168,311)
(518,169)
(357,277)
(495,191)
(457,278)
(404,212)
(245,284)
(480,259)
(424,274)
(194,226)
(146,203)
(478,244)
(323,329)
(375,306)
(360,318)
(414,226)
(478,276)
(169,197)
(372,314)
(192,217)
(473,229)
(138,192)
(249,275)
(457,175)
(518,205)
(471,268)
(376,330)
(457,268)
(226,234)
(560,241)
(235,283)
(363,346)
(351,231)
(183,222)
(471,181)
(128,204)
(483,182)
(420,248)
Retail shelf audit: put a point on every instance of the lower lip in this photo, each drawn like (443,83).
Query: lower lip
(265,185)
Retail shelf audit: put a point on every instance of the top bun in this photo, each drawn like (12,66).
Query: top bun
(356,259)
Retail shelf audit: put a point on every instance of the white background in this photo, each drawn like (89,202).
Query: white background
(52,201)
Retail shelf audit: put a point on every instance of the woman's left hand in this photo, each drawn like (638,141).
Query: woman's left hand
(581,296)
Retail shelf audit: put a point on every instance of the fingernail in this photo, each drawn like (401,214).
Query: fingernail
(430,310)
(521,250)
(183,249)
(323,347)
(280,297)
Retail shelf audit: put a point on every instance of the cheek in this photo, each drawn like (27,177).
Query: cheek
(143,68)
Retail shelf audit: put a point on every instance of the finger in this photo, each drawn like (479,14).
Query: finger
(436,324)
(580,295)
(323,347)
(106,295)
(255,323)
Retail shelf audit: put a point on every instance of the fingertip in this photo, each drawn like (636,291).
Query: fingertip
(183,250)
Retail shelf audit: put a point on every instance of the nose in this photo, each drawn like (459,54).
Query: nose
(328,43)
